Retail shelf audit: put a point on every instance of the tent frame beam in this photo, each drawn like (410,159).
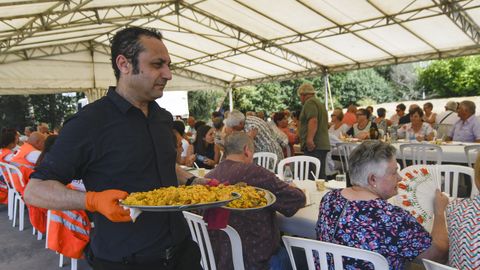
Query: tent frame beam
(461,19)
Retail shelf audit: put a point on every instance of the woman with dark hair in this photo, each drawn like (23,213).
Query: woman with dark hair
(206,153)
(8,142)
(381,121)
(429,117)
(281,121)
(361,129)
(416,129)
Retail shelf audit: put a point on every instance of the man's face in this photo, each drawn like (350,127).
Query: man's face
(27,132)
(304,97)
(153,70)
(191,121)
(400,111)
(463,113)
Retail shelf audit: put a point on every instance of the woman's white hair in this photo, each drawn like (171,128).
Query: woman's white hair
(368,158)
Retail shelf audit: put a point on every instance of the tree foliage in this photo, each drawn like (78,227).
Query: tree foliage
(452,77)
(267,97)
(202,103)
(354,86)
(20,111)
(52,109)
(14,112)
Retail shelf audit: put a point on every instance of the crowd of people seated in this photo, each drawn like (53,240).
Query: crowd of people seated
(458,122)
(353,216)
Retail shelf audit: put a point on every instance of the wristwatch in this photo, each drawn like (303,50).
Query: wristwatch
(190,180)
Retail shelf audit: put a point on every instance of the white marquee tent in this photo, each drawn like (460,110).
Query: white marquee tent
(49,46)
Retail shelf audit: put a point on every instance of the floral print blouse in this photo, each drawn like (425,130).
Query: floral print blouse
(374,225)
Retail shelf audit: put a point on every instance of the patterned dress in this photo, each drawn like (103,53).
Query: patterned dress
(463,219)
(373,225)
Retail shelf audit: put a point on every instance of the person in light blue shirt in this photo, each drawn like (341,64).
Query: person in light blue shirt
(467,129)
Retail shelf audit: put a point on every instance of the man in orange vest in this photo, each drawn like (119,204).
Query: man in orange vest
(29,152)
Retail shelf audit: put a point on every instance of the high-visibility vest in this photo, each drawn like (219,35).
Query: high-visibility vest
(20,158)
(37,215)
(4,152)
(3,187)
(68,231)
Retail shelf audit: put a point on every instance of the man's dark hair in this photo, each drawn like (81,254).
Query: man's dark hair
(381,112)
(216,114)
(198,124)
(401,106)
(126,42)
(179,126)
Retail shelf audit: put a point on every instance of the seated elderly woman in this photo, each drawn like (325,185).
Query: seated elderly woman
(361,217)
(416,129)
(463,219)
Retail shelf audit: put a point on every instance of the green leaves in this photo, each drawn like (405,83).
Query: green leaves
(452,77)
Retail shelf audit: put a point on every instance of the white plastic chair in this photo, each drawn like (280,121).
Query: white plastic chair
(11,190)
(301,167)
(338,251)
(450,176)
(431,265)
(344,150)
(198,229)
(471,151)
(266,159)
(18,203)
(419,153)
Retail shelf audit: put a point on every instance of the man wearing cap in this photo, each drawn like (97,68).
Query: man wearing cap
(467,129)
(445,120)
(313,126)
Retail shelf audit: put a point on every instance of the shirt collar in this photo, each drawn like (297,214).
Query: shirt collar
(470,119)
(122,104)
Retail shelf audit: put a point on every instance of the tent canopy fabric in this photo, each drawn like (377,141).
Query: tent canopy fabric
(49,46)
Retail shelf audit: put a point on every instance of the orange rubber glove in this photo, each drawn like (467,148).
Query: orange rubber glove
(106,203)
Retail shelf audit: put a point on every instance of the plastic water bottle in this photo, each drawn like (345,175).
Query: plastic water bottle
(287,174)
(393,134)
(411,136)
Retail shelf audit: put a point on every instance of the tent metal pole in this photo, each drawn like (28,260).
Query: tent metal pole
(230,98)
(325,79)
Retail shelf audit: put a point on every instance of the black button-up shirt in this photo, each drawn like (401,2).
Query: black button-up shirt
(110,144)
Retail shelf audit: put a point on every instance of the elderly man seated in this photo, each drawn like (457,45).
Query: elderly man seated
(29,152)
(467,129)
(258,229)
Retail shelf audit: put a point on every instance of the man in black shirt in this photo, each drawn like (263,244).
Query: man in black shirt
(120,144)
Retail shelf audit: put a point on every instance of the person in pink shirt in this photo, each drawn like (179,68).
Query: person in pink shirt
(350,117)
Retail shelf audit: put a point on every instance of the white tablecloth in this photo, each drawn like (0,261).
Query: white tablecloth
(303,222)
